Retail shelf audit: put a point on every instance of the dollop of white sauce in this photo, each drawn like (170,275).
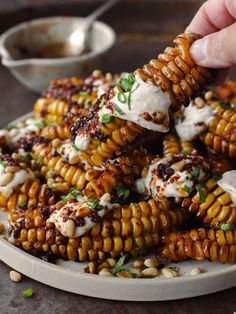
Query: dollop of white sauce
(228,183)
(82,142)
(195,121)
(58,216)
(144,99)
(70,153)
(19,178)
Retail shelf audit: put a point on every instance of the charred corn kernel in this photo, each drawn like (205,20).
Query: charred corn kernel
(149,272)
(15,276)
(196,271)
(151,262)
(118,233)
(168,272)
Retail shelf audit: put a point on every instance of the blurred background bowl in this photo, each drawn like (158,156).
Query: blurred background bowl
(30,37)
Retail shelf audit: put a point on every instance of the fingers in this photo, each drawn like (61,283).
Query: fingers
(221,77)
(213,16)
(217,50)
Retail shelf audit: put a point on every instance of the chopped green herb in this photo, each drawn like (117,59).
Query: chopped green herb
(106,118)
(186,188)
(121,194)
(25,157)
(228,227)
(72,195)
(190,176)
(83,93)
(2,163)
(184,151)
(43,123)
(22,205)
(199,188)
(27,293)
(94,204)
(196,172)
(12,126)
(76,148)
(38,159)
(217,176)
(121,97)
(126,82)
(224,105)
(102,103)
(118,109)
(129,101)
(51,173)
(119,264)
(233,106)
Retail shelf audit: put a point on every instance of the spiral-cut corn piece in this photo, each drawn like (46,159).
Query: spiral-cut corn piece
(227,91)
(129,229)
(73,175)
(175,72)
(61,131)
(33,193)
(214,245)
(71,96)
(173,145)
(220,134)
(215,208)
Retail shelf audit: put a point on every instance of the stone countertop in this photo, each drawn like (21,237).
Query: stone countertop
(145,36)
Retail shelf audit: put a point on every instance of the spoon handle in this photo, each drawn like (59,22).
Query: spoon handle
(100,10)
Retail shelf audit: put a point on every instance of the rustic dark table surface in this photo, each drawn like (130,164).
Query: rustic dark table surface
(144,28)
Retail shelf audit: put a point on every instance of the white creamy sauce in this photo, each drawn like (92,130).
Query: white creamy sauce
(228,183)
(195,121)
(178,185)
(19,177)
(4,133)
(82,142)
(102,87)
(21,129)
(140,185)
(58,216)
(70,153)
(144,99)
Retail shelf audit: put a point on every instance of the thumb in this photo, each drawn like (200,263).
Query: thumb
(217,50)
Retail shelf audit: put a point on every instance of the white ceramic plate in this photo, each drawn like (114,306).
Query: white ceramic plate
(69,276)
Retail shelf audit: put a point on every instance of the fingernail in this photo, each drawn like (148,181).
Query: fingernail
(198,50)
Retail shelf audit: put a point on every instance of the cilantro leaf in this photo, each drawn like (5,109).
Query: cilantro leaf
(119,264)
(228,227)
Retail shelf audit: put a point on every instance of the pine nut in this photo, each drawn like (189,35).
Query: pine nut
(149,272)
(92,268)
(15,276)
(178,165)
(109,77)
(111,262)
(106,197)
(209,95)
(139,263)
(151,262)
(103,265)
(12,169)
(123,274)
(69,229)
(104,272)
(168,272)
(2,227)
(199,102)
(6,178)
(196,271)
(97,73)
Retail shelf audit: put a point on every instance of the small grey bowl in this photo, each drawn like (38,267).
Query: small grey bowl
(35,73)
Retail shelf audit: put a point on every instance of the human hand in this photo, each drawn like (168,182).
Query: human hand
(216,21)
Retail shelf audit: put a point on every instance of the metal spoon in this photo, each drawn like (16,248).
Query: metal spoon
(79,39)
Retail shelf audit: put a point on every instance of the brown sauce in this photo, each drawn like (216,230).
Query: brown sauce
(50,51)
